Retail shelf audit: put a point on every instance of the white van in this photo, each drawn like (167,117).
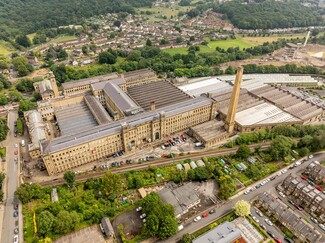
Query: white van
(23,143)
(180,227)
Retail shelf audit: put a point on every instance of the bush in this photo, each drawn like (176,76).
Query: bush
(20,126)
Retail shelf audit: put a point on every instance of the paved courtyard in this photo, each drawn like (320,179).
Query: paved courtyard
(90,234)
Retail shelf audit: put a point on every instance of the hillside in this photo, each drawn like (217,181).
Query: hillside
(269,14)
(28,16)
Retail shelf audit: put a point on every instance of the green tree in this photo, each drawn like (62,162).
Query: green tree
(230,70)
(148,42)
(152,225)
(106,58)
(25,85)
(4,129)
(63,222)
(303,151)
(243,151)
(111,183)
(242,208)
(75,218)
(69,177)
(168,227)
(186,238)
(178,176)
(281,146)
(15,96)
(151,201)
(26,105)
(45,222)
(20,126)
(21,66)
(4,62)
(84,49)
(23,40)
(3,99)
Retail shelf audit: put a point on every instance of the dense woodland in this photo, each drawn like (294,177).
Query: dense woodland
(270,14)
(28,16)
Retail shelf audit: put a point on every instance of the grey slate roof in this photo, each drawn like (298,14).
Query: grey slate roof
(105,130)
(224,233)
(73,84)
(99,113)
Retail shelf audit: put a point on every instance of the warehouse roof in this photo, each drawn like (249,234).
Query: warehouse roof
(74,84)
(104,130)
(97,110)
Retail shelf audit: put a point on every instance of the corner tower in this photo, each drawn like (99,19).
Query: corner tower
(53,84)
(232,108)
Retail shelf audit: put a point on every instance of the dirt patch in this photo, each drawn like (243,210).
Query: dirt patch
(131,222)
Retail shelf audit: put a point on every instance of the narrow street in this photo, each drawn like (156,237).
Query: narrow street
(11,183)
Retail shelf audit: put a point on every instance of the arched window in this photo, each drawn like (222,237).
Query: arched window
(157,135)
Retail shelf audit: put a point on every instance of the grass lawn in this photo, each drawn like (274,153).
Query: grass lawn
(5,48)
(258,40)
(64,38)
(2,152)
(31,36)
(159,12)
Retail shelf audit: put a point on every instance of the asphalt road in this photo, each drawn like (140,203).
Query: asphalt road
(12,176)
(192,227)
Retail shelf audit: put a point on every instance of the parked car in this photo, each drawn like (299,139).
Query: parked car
(304,178)
(282,194)
(138,209)
(298,207)
(263,226)
(314,220)
(271,234)
(288,240)
(16,206)
(259,213)
(277,240)
(142,216)
(204,215)
(255,219)
(15,213)
(197,219)
(322,226)
(292,202)
(268,222)
(16,230)
(272,178)
(16,239)
(212,211)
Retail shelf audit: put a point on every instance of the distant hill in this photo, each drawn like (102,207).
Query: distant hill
(269,14)
(28,16)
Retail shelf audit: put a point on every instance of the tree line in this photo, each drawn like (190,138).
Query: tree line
(269,14)
(192,64)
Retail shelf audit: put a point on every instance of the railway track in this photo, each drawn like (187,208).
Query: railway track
(160,162)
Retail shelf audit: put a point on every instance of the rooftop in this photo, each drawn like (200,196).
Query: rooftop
(210,130)
(98,110)
(36,128)
(223,233)
(77,83)
(162,93)
(94,133)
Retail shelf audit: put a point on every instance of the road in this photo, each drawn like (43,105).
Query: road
(222,210)
(12,178)
(160,162)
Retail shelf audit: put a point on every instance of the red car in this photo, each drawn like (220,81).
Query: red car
(205,215)
(277,240)
(16,152)
(319,188)
(304,178)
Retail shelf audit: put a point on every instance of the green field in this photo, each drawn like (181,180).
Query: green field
(5,48)
(159,12)
(211,47)
(64,38)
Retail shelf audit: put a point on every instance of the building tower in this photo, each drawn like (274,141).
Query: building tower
(232,108)
(53,84)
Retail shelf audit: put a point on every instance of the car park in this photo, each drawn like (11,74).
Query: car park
(255,219)
(197,219)
(142,216)
(138,209)
(268,222)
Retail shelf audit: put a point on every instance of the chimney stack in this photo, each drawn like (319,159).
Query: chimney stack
(232,108)
(152,106)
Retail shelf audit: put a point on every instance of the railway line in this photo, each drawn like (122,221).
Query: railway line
(143,166)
